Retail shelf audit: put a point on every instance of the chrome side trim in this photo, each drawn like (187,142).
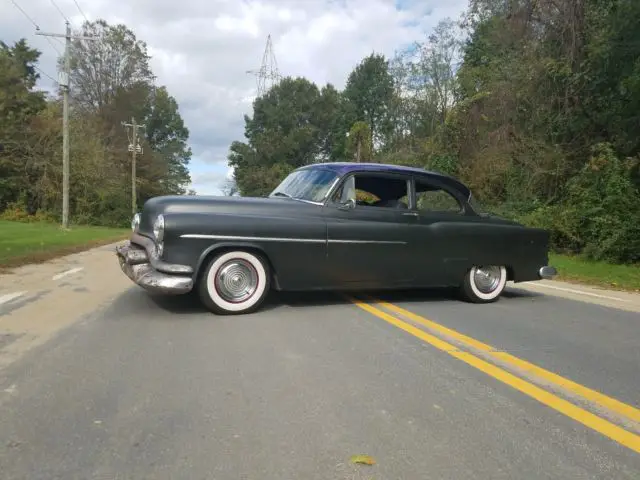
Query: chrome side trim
(547,272)
(311,202)
(284,239)
(395,242)
(252,239)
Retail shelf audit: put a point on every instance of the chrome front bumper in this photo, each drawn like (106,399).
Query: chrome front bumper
(136,264)
(547,272)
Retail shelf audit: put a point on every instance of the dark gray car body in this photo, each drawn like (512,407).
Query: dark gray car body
(323,246)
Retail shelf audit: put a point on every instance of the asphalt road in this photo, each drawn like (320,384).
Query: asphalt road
(98,379)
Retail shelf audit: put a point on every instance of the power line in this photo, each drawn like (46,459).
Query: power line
(26,14)
(80,10)
(60,11)
(53,46)
(33,22)
(45,74)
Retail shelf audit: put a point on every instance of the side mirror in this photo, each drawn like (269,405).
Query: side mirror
(348,205)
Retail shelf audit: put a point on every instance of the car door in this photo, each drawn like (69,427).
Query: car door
(368,242)
(439,249)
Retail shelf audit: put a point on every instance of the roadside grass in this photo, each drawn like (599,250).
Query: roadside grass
(581,270)
(23,243)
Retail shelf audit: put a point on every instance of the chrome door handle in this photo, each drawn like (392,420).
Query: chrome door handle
(413,214)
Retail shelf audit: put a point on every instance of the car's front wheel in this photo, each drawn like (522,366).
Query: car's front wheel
(484,284)
(234,282)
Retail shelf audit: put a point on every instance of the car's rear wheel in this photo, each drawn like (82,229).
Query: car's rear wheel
(235,282)
(484,283)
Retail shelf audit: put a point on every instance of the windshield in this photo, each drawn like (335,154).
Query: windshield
(311,184)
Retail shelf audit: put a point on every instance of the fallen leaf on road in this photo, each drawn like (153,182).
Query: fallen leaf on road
(363,459)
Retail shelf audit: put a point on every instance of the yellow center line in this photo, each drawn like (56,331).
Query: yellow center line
(586,418)
(569,385)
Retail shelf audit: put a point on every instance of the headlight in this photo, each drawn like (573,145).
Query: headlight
(135,222)
(158,228)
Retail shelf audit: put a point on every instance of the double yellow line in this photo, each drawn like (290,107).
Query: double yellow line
(621,411)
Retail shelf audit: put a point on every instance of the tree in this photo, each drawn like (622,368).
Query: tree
(104,69)
(286,123)
(293,124)
(167,136)
(437,66)
(359,143)
(229,187)
(112,81)
(331,124)
(369,95)
(19,104)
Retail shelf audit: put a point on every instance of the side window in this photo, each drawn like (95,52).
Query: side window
(431,198)
(373,191)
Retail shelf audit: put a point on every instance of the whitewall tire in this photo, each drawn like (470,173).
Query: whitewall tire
(234,282)
(484,284)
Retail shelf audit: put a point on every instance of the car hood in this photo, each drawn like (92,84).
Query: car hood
(223,205)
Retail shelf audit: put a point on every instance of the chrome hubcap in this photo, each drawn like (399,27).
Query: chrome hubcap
(236,281)
(487,279)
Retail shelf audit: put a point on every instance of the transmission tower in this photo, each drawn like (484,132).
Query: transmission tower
(267,76)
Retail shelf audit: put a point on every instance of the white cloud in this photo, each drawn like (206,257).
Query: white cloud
(202,49)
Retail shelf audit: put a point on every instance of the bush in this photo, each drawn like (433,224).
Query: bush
(600,213)
(17,212)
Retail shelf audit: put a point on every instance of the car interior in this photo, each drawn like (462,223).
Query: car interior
(375,191)
(382,191)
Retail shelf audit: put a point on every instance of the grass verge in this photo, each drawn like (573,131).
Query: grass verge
(602,274)
(24,243)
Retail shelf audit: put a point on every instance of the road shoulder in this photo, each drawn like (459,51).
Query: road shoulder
(39,300)
(628,301)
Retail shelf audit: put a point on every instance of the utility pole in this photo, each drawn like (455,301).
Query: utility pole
(134,148)
(65,83)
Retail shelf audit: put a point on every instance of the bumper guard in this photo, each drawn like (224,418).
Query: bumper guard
(136,264)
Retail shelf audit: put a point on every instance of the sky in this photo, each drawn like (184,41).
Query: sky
(202,49)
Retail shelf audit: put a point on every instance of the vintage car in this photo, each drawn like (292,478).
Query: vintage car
(331,226)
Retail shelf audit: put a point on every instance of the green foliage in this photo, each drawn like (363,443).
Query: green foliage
(359,146)
(17,212)
(443,163)
(104,73)
(19,104)
(598,216)
(603,207)
(112,82)
(369,96)
(293,124)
